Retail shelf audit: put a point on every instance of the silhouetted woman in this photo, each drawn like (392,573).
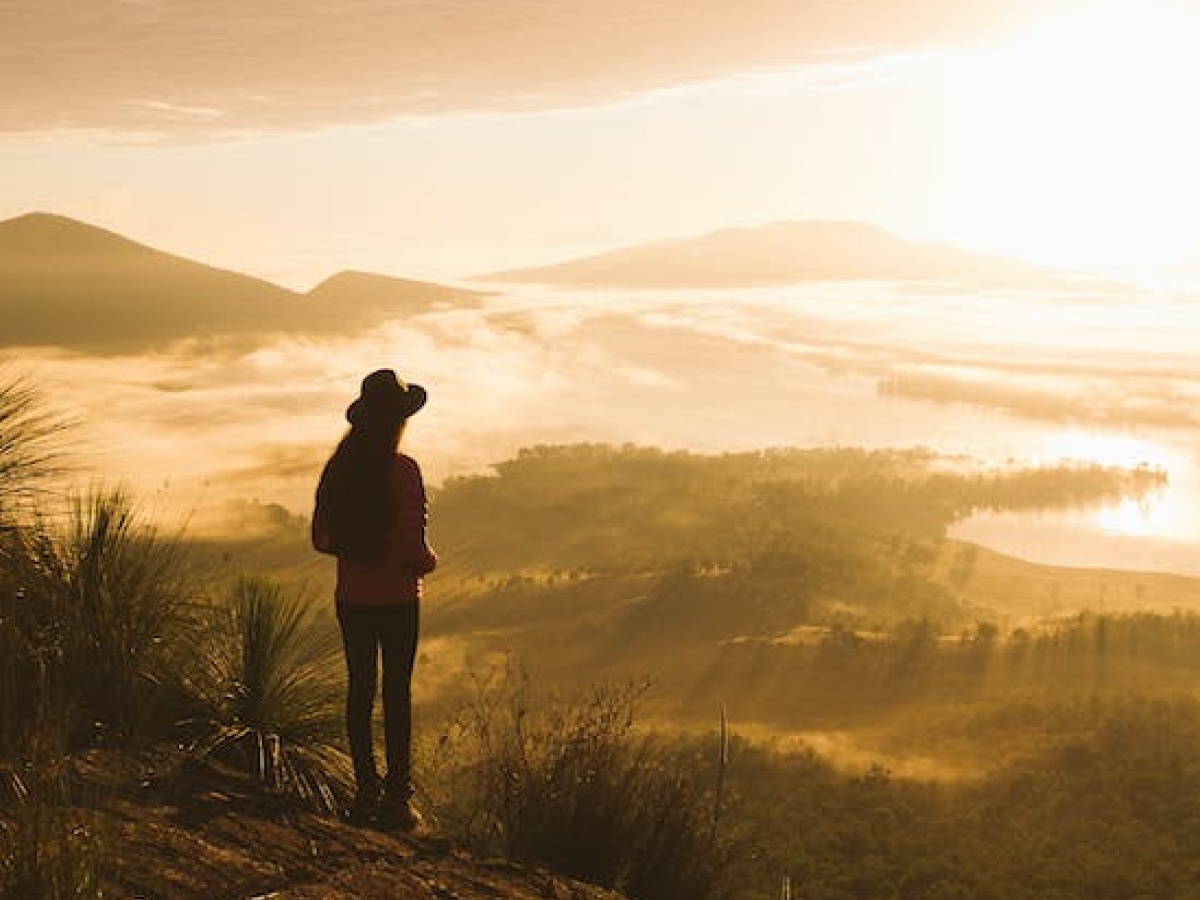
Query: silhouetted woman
(371,514)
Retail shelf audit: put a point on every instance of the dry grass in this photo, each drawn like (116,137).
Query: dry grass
(572,785)
(32,440)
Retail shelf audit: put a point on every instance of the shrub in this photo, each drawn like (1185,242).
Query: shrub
(50,850)
(273,691)
(572,786)
(91,613)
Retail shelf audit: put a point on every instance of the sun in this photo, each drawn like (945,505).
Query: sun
(1135,518)
(1082,136)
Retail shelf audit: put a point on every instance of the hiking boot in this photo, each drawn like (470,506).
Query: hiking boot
(399,814)
(365,807)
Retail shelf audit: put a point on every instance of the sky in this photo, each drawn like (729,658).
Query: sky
(446,138)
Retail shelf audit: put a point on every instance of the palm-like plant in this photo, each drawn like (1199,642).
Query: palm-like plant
(31,443)
(92,614)
(273,688)
(130,599)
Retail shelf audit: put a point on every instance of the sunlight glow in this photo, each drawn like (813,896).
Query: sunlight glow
(1083,128)
(1135,518)
(1159,514)
(1105,449)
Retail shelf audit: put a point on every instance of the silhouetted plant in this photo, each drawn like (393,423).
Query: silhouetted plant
(31,446)
(572,786)
(29,457)
(272,685)
(92,611)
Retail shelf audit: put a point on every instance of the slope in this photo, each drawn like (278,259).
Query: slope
(64,283)
(782,253)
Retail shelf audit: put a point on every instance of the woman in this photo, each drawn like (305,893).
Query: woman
(371,514)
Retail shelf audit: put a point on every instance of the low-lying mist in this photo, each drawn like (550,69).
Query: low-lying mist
(202,422)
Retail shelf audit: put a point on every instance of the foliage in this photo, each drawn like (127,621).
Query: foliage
(31,442)
(620,562)
(572,786)
(841,672)
(599,508)
(45,856)
(270,679)
(50,849)
(1107,808)
(1110,812)
(91,612)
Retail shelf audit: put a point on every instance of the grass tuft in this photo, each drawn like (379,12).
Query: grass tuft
(51,849)
(31,447)
(271,681)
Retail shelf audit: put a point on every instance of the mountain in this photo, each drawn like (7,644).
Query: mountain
(367,291)
(783,253)
(68,284)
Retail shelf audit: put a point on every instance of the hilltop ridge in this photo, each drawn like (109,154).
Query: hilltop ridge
(371,290)
(67,283)
(225,837)
(785,252)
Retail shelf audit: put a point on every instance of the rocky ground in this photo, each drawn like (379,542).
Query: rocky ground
(214,836)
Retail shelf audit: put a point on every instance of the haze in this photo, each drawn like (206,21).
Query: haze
(1031,298)
(446,138)
(821,371)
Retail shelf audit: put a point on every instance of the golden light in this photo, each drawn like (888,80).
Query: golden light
(1157,514)
(1104,449)
(1084,137)
(1135,518)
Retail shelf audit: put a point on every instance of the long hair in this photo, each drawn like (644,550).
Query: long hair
(354,490)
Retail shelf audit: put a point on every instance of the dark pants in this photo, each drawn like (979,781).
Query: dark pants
(367,629)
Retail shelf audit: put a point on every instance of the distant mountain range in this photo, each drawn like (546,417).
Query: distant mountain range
(782,253)
(68,284)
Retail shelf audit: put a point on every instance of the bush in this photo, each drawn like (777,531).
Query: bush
(570,785)
(91,614)
(50,850)
(46,856)
(272,687)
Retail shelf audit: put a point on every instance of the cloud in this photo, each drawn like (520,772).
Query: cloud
(1116,401)
(228,66)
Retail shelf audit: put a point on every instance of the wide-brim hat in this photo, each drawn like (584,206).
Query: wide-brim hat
(385,399)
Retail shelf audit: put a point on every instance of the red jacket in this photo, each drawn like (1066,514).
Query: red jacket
(407,555)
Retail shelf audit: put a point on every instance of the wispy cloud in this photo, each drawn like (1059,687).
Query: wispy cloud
(1119,402)
(178,66)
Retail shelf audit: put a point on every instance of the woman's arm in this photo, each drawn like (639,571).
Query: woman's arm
(322,529)
(412,516)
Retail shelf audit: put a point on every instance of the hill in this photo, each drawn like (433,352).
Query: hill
(625,560)
(146,825)
(809,589)
(367,292)
(783,253)
(68,284)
